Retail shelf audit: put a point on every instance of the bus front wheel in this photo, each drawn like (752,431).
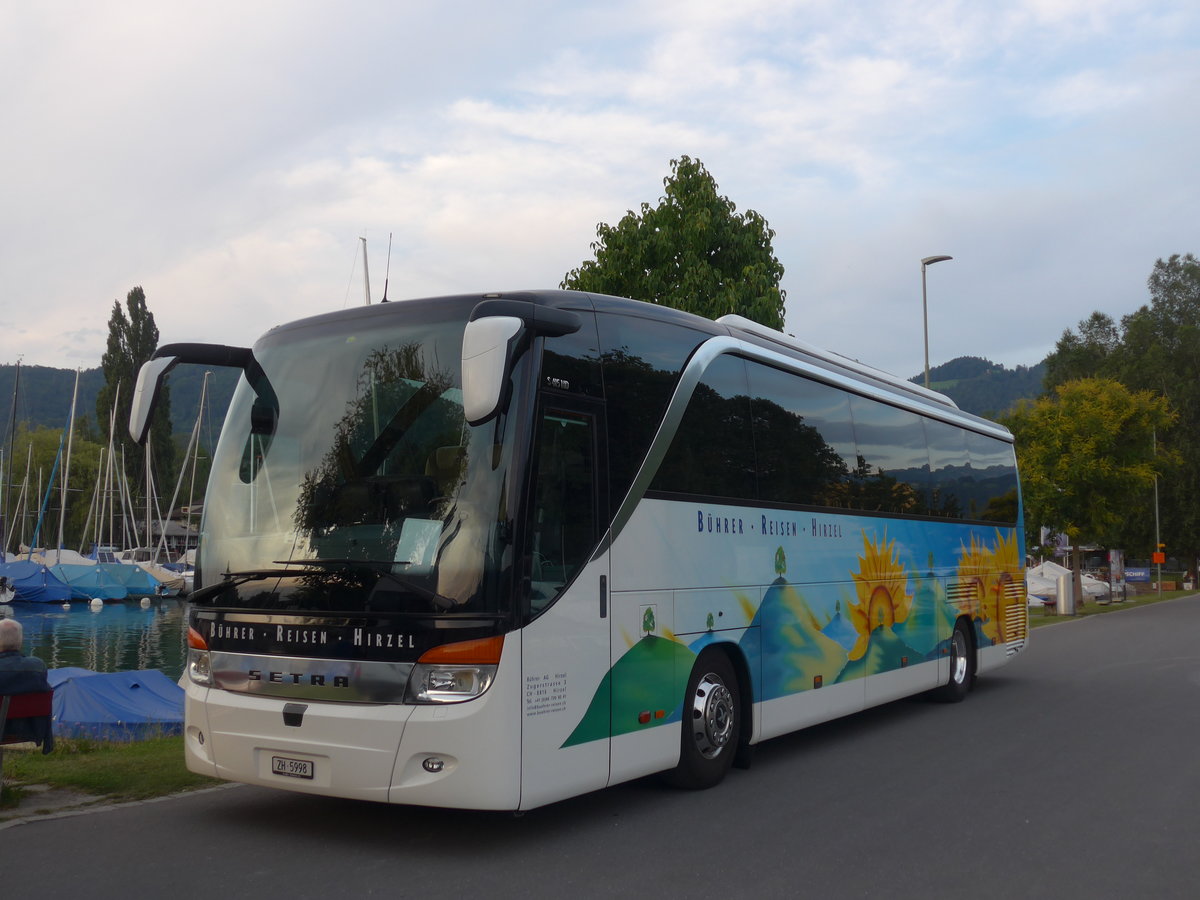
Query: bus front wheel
(711,723)
(962,666)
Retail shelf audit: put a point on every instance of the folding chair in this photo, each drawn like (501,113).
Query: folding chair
(25,718)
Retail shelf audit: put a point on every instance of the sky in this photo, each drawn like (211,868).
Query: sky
(229,156)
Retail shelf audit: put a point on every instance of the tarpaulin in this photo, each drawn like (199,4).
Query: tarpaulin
(115,706)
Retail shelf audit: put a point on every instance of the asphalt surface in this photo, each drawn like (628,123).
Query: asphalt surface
(1070,772)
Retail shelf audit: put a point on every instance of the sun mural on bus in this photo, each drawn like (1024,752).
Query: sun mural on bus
(884,617)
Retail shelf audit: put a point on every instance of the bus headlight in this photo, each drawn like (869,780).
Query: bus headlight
(199,668)
(448,684)
(456,672)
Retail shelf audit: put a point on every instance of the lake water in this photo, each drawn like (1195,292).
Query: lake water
(117,637)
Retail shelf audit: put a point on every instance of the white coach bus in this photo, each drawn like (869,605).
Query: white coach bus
(493,551)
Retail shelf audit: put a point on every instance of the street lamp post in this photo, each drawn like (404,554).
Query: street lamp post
(928,261)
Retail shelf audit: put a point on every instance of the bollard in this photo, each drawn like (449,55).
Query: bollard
(1066,595)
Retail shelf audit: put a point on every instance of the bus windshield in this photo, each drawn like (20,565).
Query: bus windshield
(366,486)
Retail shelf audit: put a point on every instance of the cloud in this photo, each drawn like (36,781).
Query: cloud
(228,157)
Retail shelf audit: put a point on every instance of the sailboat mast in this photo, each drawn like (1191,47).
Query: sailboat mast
(192,452)
(195,462)
(22,510)
(109,474)
(62,512)
(366,274)
(95,509)
(149,491)
(12,437)
(37,531)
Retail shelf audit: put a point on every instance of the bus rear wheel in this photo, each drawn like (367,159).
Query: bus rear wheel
(962,666)
(712,720)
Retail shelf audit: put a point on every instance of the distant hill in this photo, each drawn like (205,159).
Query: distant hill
(983,387)
(44,396)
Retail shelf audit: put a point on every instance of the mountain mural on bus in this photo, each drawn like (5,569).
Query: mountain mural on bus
(859,612)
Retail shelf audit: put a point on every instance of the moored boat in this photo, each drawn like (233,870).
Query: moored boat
(33,582)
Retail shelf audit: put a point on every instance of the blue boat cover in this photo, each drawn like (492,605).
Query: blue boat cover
(89,582)
(34,583)
(137,581)
(115,706)
(58,676)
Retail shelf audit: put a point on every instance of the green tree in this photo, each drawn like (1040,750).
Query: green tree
(1087,459)
(692,252)
(1155,348)
(132,340)
(1088,353)
(1160,352)
(34,495)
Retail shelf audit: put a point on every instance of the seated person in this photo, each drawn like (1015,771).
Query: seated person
(19,674)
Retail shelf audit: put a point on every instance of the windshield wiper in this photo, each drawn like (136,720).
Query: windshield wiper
(233,579)
(439,601)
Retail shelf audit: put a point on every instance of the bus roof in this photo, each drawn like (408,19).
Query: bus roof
(732,325)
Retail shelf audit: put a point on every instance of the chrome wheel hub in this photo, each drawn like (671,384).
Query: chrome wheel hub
(712,716)
(958,658)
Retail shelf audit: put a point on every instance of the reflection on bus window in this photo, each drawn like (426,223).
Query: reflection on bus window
(712,453)
(564,504)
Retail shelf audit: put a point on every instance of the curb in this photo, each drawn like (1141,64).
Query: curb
(98,804)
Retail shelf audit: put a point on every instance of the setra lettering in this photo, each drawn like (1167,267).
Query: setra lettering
(339,681)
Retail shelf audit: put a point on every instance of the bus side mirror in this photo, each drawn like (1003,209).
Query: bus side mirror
(489,345)
(494,336)
(166,357)
(145,395)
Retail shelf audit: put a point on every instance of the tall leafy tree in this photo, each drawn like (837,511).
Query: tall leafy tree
(1155,348)
(692,251)
(1088,459)
(38,483)
(1086,353)
(132,339)
(1161,353)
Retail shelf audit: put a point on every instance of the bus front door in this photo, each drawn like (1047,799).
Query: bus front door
(565,647)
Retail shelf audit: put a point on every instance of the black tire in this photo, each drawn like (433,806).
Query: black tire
(962,666)
(711,723)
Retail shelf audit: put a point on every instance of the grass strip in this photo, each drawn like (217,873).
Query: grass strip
(137,770)
(1038,617)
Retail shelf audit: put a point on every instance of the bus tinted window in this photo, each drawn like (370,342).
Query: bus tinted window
(803,437)
(753,432)
(992,492)
(642,360)
(950,469)
(713,453)
(892,468)
(571,362)
(564,504)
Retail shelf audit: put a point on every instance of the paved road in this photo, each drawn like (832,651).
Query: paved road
(1072,772)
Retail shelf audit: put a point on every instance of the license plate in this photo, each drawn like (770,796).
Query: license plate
(293,768)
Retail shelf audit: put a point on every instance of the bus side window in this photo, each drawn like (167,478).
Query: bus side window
(892,474)
(563,524)
(950,469)
(803,438)
(642,360)
(712,453)
(992,493)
